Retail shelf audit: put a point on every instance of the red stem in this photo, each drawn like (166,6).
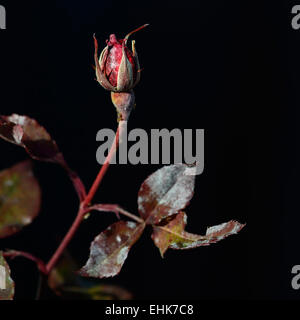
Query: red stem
(84,204)
(83,209)
(103,170)
(14,253)
(65,242)
(116,209)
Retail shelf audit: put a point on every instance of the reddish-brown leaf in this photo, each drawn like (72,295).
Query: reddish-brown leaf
(110,248)
(165,192)
(7,286)
(20,198)
(172,234)
(28,133)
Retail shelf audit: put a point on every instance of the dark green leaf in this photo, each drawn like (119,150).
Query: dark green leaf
(20,198)
(67,284)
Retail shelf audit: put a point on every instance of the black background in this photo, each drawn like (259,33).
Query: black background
(225,66)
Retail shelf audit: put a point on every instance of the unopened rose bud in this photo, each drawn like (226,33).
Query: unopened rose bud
(118,68)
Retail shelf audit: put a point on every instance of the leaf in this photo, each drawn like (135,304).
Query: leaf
(172,234)
(68,285)
(20,198)
(63,274)
(29,134)
(7,286)
(165,192)
(110,248)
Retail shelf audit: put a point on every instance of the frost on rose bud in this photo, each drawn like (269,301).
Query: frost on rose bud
(118,68)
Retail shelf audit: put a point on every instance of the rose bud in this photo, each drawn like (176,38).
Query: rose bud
(118,68)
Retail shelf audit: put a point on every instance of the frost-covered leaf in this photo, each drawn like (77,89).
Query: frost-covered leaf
(110,248)
(20,198)
(165,192)
(29,134)
(7,286)
(172,234)
(67,284)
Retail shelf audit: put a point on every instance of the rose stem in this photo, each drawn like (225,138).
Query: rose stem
(14,253)
(81,212)
(116,209)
